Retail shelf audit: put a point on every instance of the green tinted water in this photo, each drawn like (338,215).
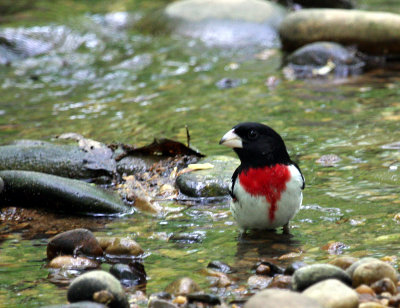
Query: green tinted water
(170,83)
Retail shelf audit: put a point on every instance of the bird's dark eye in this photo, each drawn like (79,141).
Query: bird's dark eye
(253,134)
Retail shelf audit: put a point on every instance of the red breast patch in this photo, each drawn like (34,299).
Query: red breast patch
(268,182)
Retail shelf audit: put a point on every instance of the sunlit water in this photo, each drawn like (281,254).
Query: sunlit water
(117,84)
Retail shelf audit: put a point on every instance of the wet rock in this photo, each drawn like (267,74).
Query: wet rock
(364,289)
(70,262)
(161,303)
(182,286)
(74,242)
(133,164)
(309,275)
(220,267)
(286,299)
(343,262)
(350,270)
(227,23)
(263,269)
(129,275)
(384,285)
(320,59)
(281,282)
(372,32)
(373,271)
(28,188)
(120,246)
(208,299)
(294,267)
(83,304)
(273,269)
(63,160)
(213,182)
(339,4)
(332,293)
(98,286)
(258,282)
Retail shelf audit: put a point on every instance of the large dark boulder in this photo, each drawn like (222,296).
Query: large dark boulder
(35,189)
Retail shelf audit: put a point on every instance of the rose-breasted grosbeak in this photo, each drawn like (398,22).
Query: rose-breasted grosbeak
(267,186)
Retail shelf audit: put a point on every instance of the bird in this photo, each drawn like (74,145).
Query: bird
(267,187)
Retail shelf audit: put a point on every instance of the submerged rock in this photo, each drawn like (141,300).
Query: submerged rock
(182,286)
(213,182)
(56,193)
(273,298)
(98,286)
(63,160)
(309,275)
(227,22)
(332,293)
(120,246)
(74,242)
(129,275)
(375,33)
(322,58)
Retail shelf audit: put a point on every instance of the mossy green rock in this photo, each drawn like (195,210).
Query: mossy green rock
(87,285)
(62,160)
(213,182)
(35,189)
(372,32)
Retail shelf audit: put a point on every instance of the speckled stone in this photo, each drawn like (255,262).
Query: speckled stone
(309,275)
(286,299)
(370,272)
(332,293)
(89,286)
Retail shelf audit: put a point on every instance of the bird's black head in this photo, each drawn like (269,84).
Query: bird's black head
(257,145)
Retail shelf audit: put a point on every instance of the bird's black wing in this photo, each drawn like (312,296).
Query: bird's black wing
(234,177)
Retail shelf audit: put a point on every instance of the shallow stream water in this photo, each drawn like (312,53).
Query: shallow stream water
(108,80)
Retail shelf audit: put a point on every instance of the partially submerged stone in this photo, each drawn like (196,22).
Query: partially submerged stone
(213,182)
(35,189)
(227,22)
(309,275)
(98,286)
(74,242)
(63,160)
(120,246)
(182,286)
(323,58)
(375,33)
(70,262)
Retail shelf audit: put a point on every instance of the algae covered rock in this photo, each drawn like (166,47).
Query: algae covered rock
(63,160)
(375,33)
(98,286)
(35,189)
(214,182)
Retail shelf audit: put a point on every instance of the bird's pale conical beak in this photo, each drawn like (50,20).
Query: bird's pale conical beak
(231,140)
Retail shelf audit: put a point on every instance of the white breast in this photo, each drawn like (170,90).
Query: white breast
(252,212)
